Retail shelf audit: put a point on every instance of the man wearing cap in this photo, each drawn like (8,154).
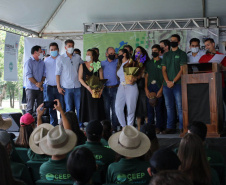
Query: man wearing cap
(131,169)
(104,156)
(35,75)
(19,170)
(58,143)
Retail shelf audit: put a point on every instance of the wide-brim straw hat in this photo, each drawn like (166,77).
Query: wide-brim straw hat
(37,135)
(129,142)
(5,124)
(58,141)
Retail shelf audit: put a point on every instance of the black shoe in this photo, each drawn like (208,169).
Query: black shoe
(169,131)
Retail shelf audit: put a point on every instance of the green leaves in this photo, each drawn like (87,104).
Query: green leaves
(96,66)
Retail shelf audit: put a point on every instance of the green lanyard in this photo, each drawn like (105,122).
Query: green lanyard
(155,61)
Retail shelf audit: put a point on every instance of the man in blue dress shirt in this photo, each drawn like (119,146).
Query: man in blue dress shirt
(35,76)
(109,67)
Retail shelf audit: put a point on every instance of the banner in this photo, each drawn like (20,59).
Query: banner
(10,56)
(146,39)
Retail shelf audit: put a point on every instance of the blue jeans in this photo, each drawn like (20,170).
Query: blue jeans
(158,110)
(109,96)
(52,94)
(170,94)
(72,100)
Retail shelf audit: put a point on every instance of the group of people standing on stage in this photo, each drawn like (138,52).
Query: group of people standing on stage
(65,77)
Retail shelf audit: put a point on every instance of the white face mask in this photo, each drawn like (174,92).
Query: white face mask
(70,50)
(88,58)
(195,50)
(40,56)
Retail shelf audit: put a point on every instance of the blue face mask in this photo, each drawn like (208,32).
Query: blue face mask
(54,53)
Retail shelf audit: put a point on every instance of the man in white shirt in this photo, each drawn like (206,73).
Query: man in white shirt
(67,77)
(196,53)
(51,85)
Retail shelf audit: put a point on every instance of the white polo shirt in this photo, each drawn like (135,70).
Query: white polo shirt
(192,59)
(68,70)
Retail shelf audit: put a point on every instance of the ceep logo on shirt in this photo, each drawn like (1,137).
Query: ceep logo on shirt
(135,177)
(57,177)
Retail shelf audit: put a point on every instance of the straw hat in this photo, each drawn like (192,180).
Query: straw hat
(5,123)
(37,135)
(58,141)
(129,142)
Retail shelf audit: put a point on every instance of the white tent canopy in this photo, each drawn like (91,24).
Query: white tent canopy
(66,17)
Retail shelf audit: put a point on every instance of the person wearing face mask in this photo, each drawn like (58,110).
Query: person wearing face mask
(34,70)
(126,94)
(165,47)
(154,83)
(68,85)
(109,67)
(51,85)
(196,53)
(172,64)
(91,108)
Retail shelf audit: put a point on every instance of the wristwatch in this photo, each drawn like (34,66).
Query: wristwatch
(173,82)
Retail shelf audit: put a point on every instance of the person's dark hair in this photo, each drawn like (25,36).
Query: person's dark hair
(24,135)
(81,164)
(35,48)
(128,46)
(195,40)
(107,130)
(69,41)
(94,55)
(77,50)
(209,39)
(143,51)
(164,159)
(170,178)
(54,44)
(109,48)
(199,128)
(5,169)
(177,36)
(96,49)
(157,46)
(193,159)
(73,121)
(166,42)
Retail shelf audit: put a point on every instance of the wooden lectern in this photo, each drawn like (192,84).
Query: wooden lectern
(202,97)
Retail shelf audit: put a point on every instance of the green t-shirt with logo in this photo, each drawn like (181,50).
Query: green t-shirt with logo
(55,170)
(21,172)
(104,143)
(37,157)
(104,156)
(173,60)
(154,71)
(128,171)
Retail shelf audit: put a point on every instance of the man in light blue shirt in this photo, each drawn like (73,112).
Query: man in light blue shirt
(52,92)
(67,77)
(35,76)
(109,67)
(196,53)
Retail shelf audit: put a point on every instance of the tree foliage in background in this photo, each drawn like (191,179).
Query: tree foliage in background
(13,89)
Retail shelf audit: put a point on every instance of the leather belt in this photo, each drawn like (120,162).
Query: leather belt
(112,86)
(52,86)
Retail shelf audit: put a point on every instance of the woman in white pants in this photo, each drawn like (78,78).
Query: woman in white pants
(126,94)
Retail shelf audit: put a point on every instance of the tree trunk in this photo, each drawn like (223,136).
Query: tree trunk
(2,95)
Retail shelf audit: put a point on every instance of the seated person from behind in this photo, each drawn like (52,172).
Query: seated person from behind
(19,170)
(131,169)
(81,165)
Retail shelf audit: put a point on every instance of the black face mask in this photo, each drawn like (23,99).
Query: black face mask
(120,57)
(173,44)
(162,50)
(111,57)
(155,54)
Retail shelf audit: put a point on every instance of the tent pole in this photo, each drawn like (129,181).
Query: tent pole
(203,8)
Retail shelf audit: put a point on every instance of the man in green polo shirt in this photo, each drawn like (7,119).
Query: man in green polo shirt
(154,83)
(172,70)
(104,156)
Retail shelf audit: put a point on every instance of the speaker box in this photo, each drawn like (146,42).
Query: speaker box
(15,117)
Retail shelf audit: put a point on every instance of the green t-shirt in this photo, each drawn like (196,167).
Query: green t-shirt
(36,157)
(104,156)
(104,143)
(128,171)
(20,171)
(55,170)
(154,71)
(173,60)
(214,177)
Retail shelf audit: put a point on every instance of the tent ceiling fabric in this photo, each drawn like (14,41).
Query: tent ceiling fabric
(33,14)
